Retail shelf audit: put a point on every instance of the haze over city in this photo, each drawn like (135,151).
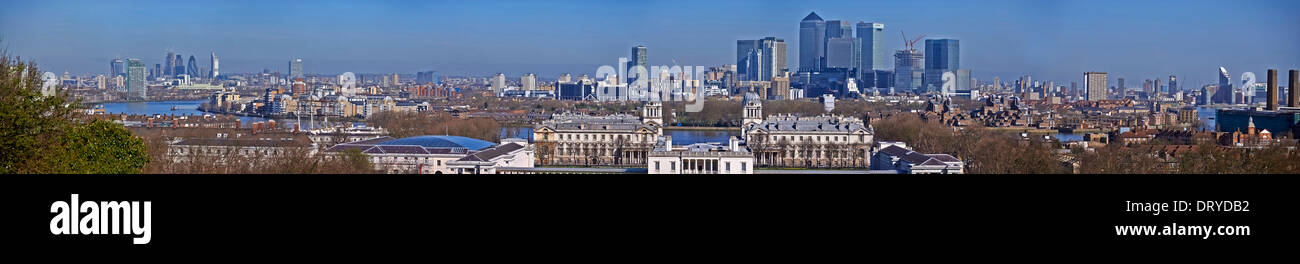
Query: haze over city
(1054,40)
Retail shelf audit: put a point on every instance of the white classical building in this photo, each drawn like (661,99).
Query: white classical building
(805,141)
(619,139)
(699,158)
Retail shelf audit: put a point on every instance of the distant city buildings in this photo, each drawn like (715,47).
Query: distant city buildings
(426,77)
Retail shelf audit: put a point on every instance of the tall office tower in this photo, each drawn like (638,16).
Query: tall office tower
(192,68)
(117,67)
(169,61)
(498,83)
(1173,84)
(528,81)
(295,68)
(870,48)
(1146,87)
(1159,91)
(135,79)
(1123,90)
(941,55)
(997,84)
(1095,83)
(157,71)
(179,65)
(840,53)
(760,59)
(215,64)
(774,65)
(748,55)
(839,29)
(395,80)
(1224,93)
(1074,89)
(812,41)
(638,59)
(908,70)
(1293,99)
(1271,103)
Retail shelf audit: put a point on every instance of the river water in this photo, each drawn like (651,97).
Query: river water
(191,108)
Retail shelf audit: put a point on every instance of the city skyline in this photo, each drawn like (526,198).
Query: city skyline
(1049,40)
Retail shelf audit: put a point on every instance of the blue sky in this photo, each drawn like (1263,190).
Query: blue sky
(1052,40)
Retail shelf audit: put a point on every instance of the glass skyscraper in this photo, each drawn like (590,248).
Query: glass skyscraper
(638,58)
(295,69)
(870,36)
(135,79)
(907,70)
(760,59)
(941,55)
(812,41)
(117,67)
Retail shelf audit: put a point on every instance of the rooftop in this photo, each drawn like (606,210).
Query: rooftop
(440,142)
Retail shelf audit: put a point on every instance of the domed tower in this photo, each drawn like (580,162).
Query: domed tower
(753,111)
(653,114)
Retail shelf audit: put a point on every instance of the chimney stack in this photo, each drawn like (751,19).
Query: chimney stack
(1272,90)
(1293,99)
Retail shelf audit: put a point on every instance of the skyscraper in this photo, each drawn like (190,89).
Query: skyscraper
(840,53)
(775,51)
(1159,91)
(870,37)
(941,55)
(812,37)
(192,68)
(178,65)
(1224,94)
(1095,83)
(907,70)
(748,55)
(528,81)
(498,83)
(215,69)
(760,59)
(295,68)
(117,67)
(638,59)
(169,61)
(1122,89)
(135,79)
(1173,84)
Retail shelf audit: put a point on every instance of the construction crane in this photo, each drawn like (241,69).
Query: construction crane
(910,43)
